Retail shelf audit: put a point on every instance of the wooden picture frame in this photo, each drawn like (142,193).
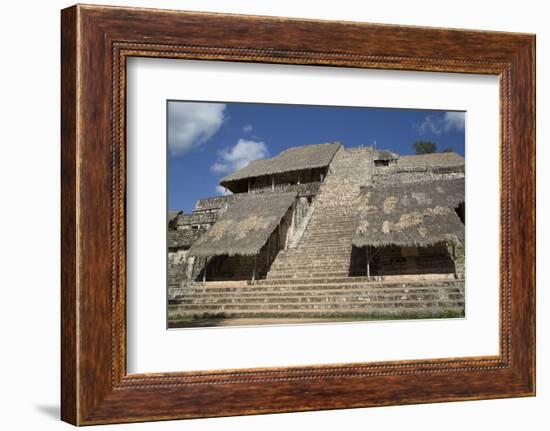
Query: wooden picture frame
(95,42)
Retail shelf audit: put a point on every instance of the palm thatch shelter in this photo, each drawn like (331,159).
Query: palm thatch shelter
(295,165)
(385,158)
(252,226)
(410,216)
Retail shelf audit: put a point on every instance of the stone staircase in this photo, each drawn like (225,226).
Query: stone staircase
(318,298)
(325,247)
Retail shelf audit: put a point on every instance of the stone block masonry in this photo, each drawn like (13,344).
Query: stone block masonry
(319,274)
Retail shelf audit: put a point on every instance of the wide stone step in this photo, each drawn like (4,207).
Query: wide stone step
(318,298)
(301,253)
(332,219)
(299,258)
(342,283)
(281,268)
(325,245)
(307,262)
(293,272)
(322,246)
(320,229)
(319,252)
(365,305)
(308,280)
(321,232)
(308,255)
(325,281)
(285,292)
(324,226)
(352,315)
(305,303)
(313,267)
(339,238)
(317,231)
(322,261)
(302,250)
(285,275)
(339,241)
(308,289)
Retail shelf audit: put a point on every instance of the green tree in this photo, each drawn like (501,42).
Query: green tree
(447,150)
(424,147)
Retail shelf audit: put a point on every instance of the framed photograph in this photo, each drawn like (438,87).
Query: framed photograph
(325,232)
(264,215)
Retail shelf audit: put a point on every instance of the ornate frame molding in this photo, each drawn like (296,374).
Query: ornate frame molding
(96,41)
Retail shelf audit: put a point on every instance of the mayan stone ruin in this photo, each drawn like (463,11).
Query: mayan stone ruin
(324,232)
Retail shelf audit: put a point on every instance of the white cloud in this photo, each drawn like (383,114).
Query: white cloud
(192,124)
(223,191)
(454,120)
(235,158)
(248,128)
(438,125)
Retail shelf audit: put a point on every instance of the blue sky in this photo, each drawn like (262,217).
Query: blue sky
(207,141)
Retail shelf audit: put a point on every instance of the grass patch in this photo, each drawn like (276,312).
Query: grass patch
(222,319)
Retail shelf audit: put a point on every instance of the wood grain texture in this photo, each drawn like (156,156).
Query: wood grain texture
(69,397)
(96,41)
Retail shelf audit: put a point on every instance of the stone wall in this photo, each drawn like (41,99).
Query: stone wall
(459,260)
(286,229)
(197,219)
(177,267)
(183,268)
(214,203)
(391,176)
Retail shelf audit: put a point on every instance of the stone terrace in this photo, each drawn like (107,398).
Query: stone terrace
(337,298)
(315,279)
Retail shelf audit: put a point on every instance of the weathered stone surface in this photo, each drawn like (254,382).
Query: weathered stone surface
(310,269)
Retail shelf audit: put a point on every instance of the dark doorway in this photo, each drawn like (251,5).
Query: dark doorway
(393,260)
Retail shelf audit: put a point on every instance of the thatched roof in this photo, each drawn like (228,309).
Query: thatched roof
(430,160)
(385,155)
(413,214)
(183,238)
(292,159)
(245,227)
